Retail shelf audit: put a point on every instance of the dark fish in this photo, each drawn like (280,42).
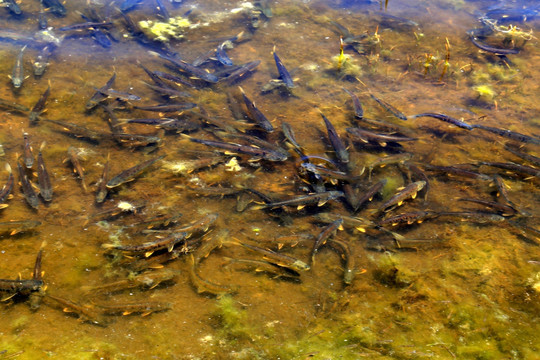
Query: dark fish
(78,130)
(407,192)
(156,79)
(27,189)
(367,136)
(13,7)
(338,145)
(132,172)
(86,25)
(17,76)
(168,91)
(358,110)
(345,252)
(39,106)
(11,106)
(513,14)
(99,95)
(28,156)
(276,258)
(20,286)
(55,6)
(102,190)
(101,38)
(255,114)
(222,56)
(241,71)
(267,154)
(129,4)
(144,308)
(479,217)
(408,218)
(253,140)
(168,107)
(192,70)
(389,108)
(137,140)
(301,201)
(73,154)
(325,235)
(387,160)
(175,78)
(6,189)
(445,118)
(370,193)
(149,248)
(283,73)
(42,17)
(162,10)
(120,95)
(85,312)
(491,49)
(453,170)
(522,169)
(42,59)
(45,188)
(504,210)
(509,134)
(528,157)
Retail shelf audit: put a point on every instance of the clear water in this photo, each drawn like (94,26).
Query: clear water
(464,289)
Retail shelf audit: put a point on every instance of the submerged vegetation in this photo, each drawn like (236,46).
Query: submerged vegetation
(215,200)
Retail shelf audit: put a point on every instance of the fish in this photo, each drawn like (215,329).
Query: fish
(11,106)
(86,26)
(370,193)
(387,160)
(132,172)
(55,6)
(27,188)
(145,308)
(17,75)
(275,257)
(522,169)
(23,287)
(146,280)
(205,286)
(44,181)
(148,248)
(407,192)
(333,174)
(355,222)
(525,156)
(337,144)
(120,95)
(327,233)
(255,114)
(176,79)
(479,217)
(127,5)
(445,118)
(264,266)
(241,72)
(42,59)
(28,156)
(408,218)
(6,189)
(99,95)
(85,312)
(12,6)
(18,226)
(492,49)
(282,70)
(222,56)
(192,70)
(168,107)
(345,252)
(79,131)
(367,136)
(389,108)
(357,105)
(102,190)
(39,107)
(73,154)
(509,134)
(453,170)
(266,154)
(301,201)
(502,209)
(162,10)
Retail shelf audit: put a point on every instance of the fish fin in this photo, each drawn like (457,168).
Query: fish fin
(414,195)
(126,313)
(300,207)
(399,203)
(361,229)
(170,247)
(3,206)
(148,253)
(322,202)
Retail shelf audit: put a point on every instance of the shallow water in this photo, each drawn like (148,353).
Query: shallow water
(453,289)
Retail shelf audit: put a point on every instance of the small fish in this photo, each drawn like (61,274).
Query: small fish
(387,160)
(267,154)
(355,222)
(525,156)
(222,56)
(275,257)
(42,17)
(99,95)
(86,26)
(6,189)
(18,226)
(28,156)
(73,154)
(282,70)
(492,49)
(12,6)
(445,118)
(102,190)
(120,95)
(367,136)
(55,6)
(45,188)
(453,170)
(327,233)
(42,59)
(510,134)
(11,106)
(147,280)
(132,172)
(145,308)
(255,114)
(39,107)
(522,169)
(205,286)
(357,105)
(168,107)
(23,287)
(192,70)
(407,192)
(79,131)
(149,248)
(241,72)
(338,145)
(370,193)
(408,218)
(127,5)
(17,76)
(344,250)
(502,209)
(301,201)
(27,188)
(162,10)
(389,108)
(85,312)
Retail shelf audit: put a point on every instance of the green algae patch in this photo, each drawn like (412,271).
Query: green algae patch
(232,319)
